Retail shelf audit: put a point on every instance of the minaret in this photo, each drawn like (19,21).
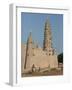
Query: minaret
(29,52)
(47,44)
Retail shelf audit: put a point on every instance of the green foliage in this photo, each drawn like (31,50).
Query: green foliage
(60,58)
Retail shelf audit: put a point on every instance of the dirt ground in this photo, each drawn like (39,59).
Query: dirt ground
(45,73)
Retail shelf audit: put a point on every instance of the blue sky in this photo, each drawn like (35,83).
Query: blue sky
(35,22)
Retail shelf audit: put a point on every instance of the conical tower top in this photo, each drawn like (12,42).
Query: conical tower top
(30,38)
(47,44)
(47,23)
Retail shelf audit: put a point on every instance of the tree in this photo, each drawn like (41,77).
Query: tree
(60,58)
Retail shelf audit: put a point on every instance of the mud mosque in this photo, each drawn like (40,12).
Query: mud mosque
(34,57)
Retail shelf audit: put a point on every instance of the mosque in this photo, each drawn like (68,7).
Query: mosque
(35,58)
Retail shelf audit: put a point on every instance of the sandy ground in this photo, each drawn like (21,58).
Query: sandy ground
(46,73)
